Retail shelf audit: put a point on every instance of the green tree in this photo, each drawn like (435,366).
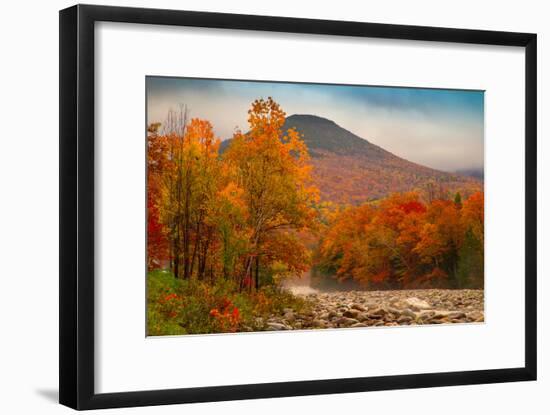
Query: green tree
(470,263)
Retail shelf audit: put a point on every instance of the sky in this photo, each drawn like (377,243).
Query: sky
(438,128)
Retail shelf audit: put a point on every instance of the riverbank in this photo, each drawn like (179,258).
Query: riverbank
(352,309)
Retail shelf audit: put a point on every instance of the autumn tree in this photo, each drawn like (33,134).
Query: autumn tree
(190,165)
(402,242)
(202,169)
(228,215)
(346,248)
(170,149)
(272,168)
(396,229)
(157,238)
(441,238)
(471,257)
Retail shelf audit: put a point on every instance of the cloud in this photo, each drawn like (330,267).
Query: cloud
(437,128)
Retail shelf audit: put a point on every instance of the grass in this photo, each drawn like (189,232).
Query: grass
(176,306)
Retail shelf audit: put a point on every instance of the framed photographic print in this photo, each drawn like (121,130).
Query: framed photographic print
(259,207)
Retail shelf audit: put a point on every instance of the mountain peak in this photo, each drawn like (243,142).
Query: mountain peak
(309,117)
(322,134)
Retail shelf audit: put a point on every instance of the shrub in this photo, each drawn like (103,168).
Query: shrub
(176,306)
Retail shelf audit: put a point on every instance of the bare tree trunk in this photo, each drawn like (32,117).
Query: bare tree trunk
(257,277)
(205,247)
(186,241)
(176,256)
(198,238)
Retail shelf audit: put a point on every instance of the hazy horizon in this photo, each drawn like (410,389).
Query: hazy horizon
(438,128)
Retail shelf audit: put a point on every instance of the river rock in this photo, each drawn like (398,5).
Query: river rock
(409,313)
(394,311)
(359,307)
(456,315)
(362,316)
(476,316)
(377,313)
(404,319)
(426,314)
(417,304)
(289,316)
(440,314)
(319,323)
(393,300)
(346,321)
(379,308)
(351,313)
(276,326)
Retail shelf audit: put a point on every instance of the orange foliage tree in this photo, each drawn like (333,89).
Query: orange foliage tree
(182,182)
(157,238)
(272,168)
(229,216)
(404,242)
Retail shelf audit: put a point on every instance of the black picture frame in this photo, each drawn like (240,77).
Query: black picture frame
(76,279)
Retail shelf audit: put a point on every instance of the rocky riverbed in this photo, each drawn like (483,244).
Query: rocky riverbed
(352,309)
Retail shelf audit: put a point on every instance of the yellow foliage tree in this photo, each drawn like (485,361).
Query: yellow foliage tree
(272,168)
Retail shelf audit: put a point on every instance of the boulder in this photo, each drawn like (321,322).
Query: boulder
(440,314)
(417,304)
(351,313)
(377,313)
(359,307)
(476,316)
(404,319)
(362,316)
(456,315)
(427,314)
(346,321)
(289,316)
(409,313)
(276,326)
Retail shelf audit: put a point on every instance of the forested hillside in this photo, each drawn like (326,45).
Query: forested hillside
(349,169)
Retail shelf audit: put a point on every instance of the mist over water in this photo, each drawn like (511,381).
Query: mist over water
(300,285)
(311,283)
(301,289)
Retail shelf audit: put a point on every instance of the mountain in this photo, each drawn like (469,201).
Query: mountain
(350,169)
(478,173)
(322,136)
